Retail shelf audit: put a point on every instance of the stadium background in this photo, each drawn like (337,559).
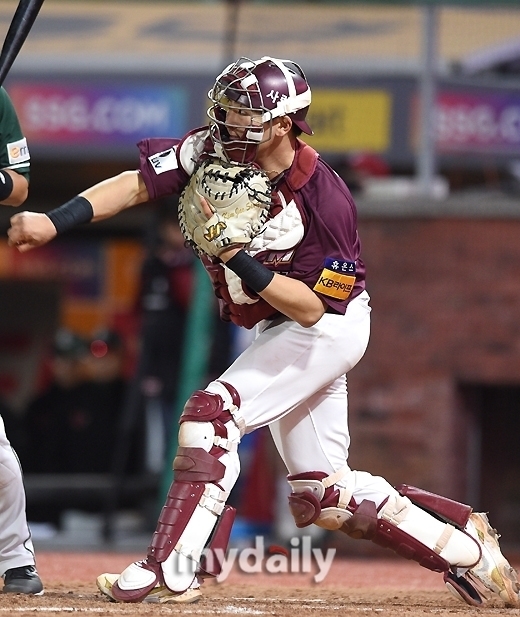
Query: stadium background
(434,403)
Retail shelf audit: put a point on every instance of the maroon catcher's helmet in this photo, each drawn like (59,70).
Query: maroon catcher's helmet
(269,86)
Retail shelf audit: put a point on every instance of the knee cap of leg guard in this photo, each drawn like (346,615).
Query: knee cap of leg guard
(205,425)
(212,408)
(305,508)
(202,406)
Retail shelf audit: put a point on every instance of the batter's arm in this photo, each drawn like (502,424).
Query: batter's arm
(19,191)
(32,229)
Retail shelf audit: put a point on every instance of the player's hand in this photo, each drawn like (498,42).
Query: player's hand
(29,230)
(205,208)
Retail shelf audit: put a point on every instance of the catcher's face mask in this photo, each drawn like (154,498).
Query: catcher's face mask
(247,97)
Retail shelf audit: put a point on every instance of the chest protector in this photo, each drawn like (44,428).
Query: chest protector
(274,247)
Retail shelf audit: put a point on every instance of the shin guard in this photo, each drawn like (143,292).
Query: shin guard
(429,530)
(438,533)
(195,509)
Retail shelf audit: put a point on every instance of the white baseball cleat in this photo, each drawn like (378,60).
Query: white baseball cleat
(159,593)
(493,570)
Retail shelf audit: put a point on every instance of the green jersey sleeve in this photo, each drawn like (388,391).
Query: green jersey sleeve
(14,153)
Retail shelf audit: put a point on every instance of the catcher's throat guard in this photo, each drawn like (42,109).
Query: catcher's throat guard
(240,197)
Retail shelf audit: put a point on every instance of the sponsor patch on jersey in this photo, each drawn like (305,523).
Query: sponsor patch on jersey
(337,278)
(164,161)
(18,152)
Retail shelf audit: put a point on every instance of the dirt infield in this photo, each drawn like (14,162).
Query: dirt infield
(391,588)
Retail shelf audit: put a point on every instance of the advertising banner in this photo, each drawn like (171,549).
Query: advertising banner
(348,120)
(101,119)
(98,113)
(478,122)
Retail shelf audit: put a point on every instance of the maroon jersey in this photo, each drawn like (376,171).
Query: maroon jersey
(311,234)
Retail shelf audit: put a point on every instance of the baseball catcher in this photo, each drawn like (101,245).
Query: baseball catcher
(283,256)
(238,198)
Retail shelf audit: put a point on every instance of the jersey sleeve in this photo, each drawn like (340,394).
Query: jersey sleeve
(14,152)
(160,168)
(328,258)
(166,164)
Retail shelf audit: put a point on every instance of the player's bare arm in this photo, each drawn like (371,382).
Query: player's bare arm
(116,194)
(18,186)
(32,229)
(294,299)
(289,296)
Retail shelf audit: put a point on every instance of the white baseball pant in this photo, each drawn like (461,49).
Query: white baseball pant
(16,548)
(294,380)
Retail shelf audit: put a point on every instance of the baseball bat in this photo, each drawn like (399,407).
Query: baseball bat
(21,24)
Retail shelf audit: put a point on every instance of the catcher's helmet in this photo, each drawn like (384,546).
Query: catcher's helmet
(269,86)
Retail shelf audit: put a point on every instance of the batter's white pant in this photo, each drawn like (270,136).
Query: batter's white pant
(16,548)
(294,380)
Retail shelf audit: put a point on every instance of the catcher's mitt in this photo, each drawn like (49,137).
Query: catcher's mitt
(238,195)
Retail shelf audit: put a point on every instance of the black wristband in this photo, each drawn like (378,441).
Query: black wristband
(254,274)
(6,185)
(76,211)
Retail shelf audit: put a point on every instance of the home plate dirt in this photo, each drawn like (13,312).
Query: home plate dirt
(353,587)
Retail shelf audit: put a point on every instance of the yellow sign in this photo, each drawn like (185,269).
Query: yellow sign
(347,120)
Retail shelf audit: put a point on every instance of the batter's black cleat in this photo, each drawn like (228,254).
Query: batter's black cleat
(23,580)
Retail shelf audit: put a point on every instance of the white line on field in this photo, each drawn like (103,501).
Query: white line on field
(237,610)
(280,600)
(51,609)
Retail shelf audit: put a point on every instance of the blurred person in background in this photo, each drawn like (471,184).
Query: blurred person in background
(89,423)
(17,561)
(358,168)
(46,413)
(163,303)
